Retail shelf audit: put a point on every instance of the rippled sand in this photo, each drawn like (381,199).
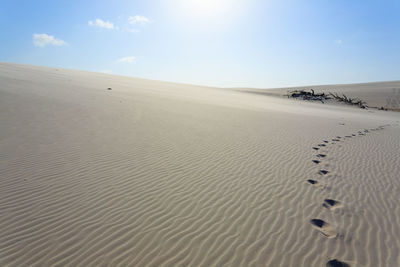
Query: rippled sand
(162,174)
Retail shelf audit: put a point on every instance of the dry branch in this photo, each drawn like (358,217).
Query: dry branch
(311,95)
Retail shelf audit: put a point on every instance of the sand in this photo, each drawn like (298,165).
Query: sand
(376,94)
(161,174)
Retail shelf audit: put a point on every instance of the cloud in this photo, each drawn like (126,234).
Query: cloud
(127,59)
(138,19)
(101,24)
(42,39)
(338,42)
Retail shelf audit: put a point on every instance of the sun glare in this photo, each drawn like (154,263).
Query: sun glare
(207,9)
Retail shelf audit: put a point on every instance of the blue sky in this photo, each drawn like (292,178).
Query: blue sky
(228,43)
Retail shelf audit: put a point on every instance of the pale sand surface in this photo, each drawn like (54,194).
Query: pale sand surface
(162,174)
(377,94)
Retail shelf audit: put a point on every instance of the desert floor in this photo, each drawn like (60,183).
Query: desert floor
(161,174)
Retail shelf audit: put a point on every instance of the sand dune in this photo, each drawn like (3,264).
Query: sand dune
(376,94)
(162,174)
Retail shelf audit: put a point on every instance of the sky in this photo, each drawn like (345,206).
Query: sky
(225,43)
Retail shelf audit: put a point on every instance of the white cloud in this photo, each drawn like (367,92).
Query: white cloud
(43,39)
(138,19)
(101,24)
(127,59)
(338,42)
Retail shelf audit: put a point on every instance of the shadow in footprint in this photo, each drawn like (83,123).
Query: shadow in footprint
(336,263)
(321,156)
(316,161)
(321,145)
(323,172)
(325,228)
(331,204)
(315,148)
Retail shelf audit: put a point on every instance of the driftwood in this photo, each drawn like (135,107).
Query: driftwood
(305,95)
(348,100)
(311,95)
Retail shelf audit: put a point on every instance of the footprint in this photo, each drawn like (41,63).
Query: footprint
(321,156)
(348,136)
(338,137)
(325,228)
(315,148)
(321,145)
(323,172)
(331,204)
(336,263)
(325,141)
(353,135)
(316,161)
(335,140)
(312,182)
